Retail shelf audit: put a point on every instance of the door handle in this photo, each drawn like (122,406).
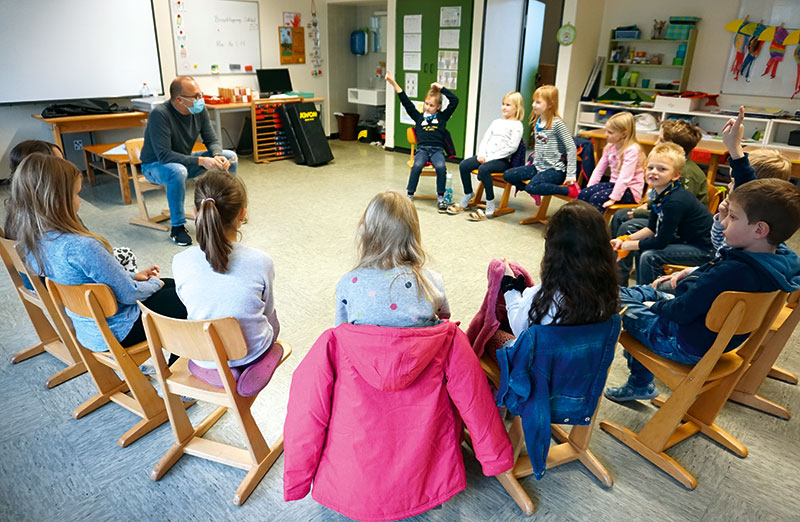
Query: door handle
(425,68)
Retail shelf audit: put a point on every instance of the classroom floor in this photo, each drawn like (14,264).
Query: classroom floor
(57,468)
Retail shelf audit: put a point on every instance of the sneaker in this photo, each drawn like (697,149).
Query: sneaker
(631,393)
(466,199)
(573,191)
(442,206)
(180,236)
(148,370)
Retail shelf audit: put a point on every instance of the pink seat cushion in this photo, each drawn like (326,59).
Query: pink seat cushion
(250,379)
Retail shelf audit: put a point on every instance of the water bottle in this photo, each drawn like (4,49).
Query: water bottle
(144,92)
(448,189)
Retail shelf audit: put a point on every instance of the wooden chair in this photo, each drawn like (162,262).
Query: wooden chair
(610,211)
(699,392)
(498,181)
(218,340)
(427,170)
(98,302)
(53,334)
(572,445)
(714,198)
(140,186)
(761,367)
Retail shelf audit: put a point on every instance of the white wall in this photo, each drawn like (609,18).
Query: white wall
(17,125)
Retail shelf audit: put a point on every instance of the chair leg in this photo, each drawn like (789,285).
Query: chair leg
(782,375)
(514,488)
(541,214)
(93,403)
(175,452)
(760,403)
(141,428)
(26,353)
(62,376)
(254,476)
(659,459)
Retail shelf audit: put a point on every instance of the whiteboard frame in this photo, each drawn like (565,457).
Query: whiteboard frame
(175,47)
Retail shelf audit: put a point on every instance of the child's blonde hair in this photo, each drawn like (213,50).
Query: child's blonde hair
(515,99)
(42,191)
(549,95)
(770,163)
(219,198)
(672,152)
(625,122)
(433,92)
(389,236)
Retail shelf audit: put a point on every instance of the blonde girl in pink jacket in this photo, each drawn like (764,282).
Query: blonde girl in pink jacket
(625,158)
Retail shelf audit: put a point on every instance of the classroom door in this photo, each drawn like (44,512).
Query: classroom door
(427,18)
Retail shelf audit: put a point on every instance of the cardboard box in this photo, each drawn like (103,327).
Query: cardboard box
(676,103)
(586,117)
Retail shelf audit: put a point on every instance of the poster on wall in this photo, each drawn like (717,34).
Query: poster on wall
(412,61)
(448,38)
(448,78)
(764,56)
(412,23)
(405,118)
(448,60)
(291,19)
(450,16)
(292,45)
(411,81)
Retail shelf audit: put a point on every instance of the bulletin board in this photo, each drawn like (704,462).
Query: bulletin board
(215,36)
(756,65)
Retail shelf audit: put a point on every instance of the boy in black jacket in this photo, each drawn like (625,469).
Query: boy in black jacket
(679,225)
(431,133)
(761,215)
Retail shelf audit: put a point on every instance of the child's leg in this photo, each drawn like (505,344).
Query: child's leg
(649,266)
(420,159)
(465,168)
(438,162)
(620,218)
(597,194)
(547,183)
(518,176)
(485,175)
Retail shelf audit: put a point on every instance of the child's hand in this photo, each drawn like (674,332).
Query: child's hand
(391,81)
(481,159)
(437,85)
(612,202)
(147,273)
(629,214)
(616,243)
(389,77)
(722,210)
(569,182)
(732,133)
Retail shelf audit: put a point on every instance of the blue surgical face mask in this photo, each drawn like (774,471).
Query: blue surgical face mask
(197,105)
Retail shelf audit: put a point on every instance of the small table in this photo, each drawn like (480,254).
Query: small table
(112,164)
(93,122)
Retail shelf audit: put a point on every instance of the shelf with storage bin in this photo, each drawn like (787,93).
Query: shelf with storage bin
(671,72)
(777,135)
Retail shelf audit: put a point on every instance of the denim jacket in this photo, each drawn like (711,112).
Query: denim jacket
(555,374)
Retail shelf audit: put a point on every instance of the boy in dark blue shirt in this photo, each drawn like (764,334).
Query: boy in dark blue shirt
(431,134)
(762,214)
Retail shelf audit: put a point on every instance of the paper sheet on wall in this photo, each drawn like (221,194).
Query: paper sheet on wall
(448,60)
(412,61)
(405,118)
(411,82)
(450,16)
(412,23)
(448,38)
(412,42)
(448,78)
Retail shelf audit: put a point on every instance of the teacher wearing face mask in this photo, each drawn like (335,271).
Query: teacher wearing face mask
(167,157)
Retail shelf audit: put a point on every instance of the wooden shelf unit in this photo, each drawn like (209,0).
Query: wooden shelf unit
(270,142)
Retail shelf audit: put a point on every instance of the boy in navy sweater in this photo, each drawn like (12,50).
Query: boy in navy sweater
(761,215)
(679,225)
(431,133)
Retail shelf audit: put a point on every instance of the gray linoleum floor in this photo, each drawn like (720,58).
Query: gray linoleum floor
(54,467)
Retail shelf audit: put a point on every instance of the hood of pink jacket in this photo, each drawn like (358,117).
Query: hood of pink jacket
(391,359)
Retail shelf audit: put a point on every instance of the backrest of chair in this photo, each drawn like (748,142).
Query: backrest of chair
(12,261)
(200,340)
(76,298)
(134,147)
(754,307)
(714,198)
(411,136)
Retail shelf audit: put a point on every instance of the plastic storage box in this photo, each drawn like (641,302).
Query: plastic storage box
(627,34)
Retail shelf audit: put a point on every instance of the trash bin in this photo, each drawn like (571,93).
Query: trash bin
(347,125)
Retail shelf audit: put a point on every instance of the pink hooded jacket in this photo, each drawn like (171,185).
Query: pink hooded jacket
(374,419)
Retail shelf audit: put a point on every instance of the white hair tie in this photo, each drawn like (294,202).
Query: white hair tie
(208,199)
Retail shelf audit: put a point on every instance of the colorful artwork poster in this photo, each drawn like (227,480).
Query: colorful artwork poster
(292,45)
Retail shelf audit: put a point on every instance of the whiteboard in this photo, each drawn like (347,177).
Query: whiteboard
(215,36)
(62,50)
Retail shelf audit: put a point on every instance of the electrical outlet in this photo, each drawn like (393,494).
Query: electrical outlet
(78,144)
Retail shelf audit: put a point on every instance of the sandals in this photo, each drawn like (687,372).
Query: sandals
(455,209)
(477,215)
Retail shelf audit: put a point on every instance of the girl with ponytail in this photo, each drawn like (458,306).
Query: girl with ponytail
(223,278)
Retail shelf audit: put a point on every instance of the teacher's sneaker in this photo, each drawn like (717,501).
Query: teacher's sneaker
(180,236)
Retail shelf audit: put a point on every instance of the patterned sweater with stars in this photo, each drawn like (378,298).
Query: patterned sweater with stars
(430,130)
(389,298)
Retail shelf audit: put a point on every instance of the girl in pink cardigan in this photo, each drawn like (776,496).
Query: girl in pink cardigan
(624,156)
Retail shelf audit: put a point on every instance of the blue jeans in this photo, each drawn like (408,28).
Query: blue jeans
(173,176)
(423,155)
(649,263)
(645,326)
(485,171)
(544,183)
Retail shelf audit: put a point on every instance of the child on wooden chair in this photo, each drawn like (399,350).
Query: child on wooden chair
(223,278)
(761,215)
(389,286)
(431,131)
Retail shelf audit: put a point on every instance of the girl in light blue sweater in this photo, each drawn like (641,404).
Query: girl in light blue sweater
(57,245)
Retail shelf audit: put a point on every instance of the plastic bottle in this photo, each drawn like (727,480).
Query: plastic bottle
(448,189)
(144,92)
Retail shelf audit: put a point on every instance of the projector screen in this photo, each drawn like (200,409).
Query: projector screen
(65,50)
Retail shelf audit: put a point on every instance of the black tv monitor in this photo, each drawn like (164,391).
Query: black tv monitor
(274,81)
